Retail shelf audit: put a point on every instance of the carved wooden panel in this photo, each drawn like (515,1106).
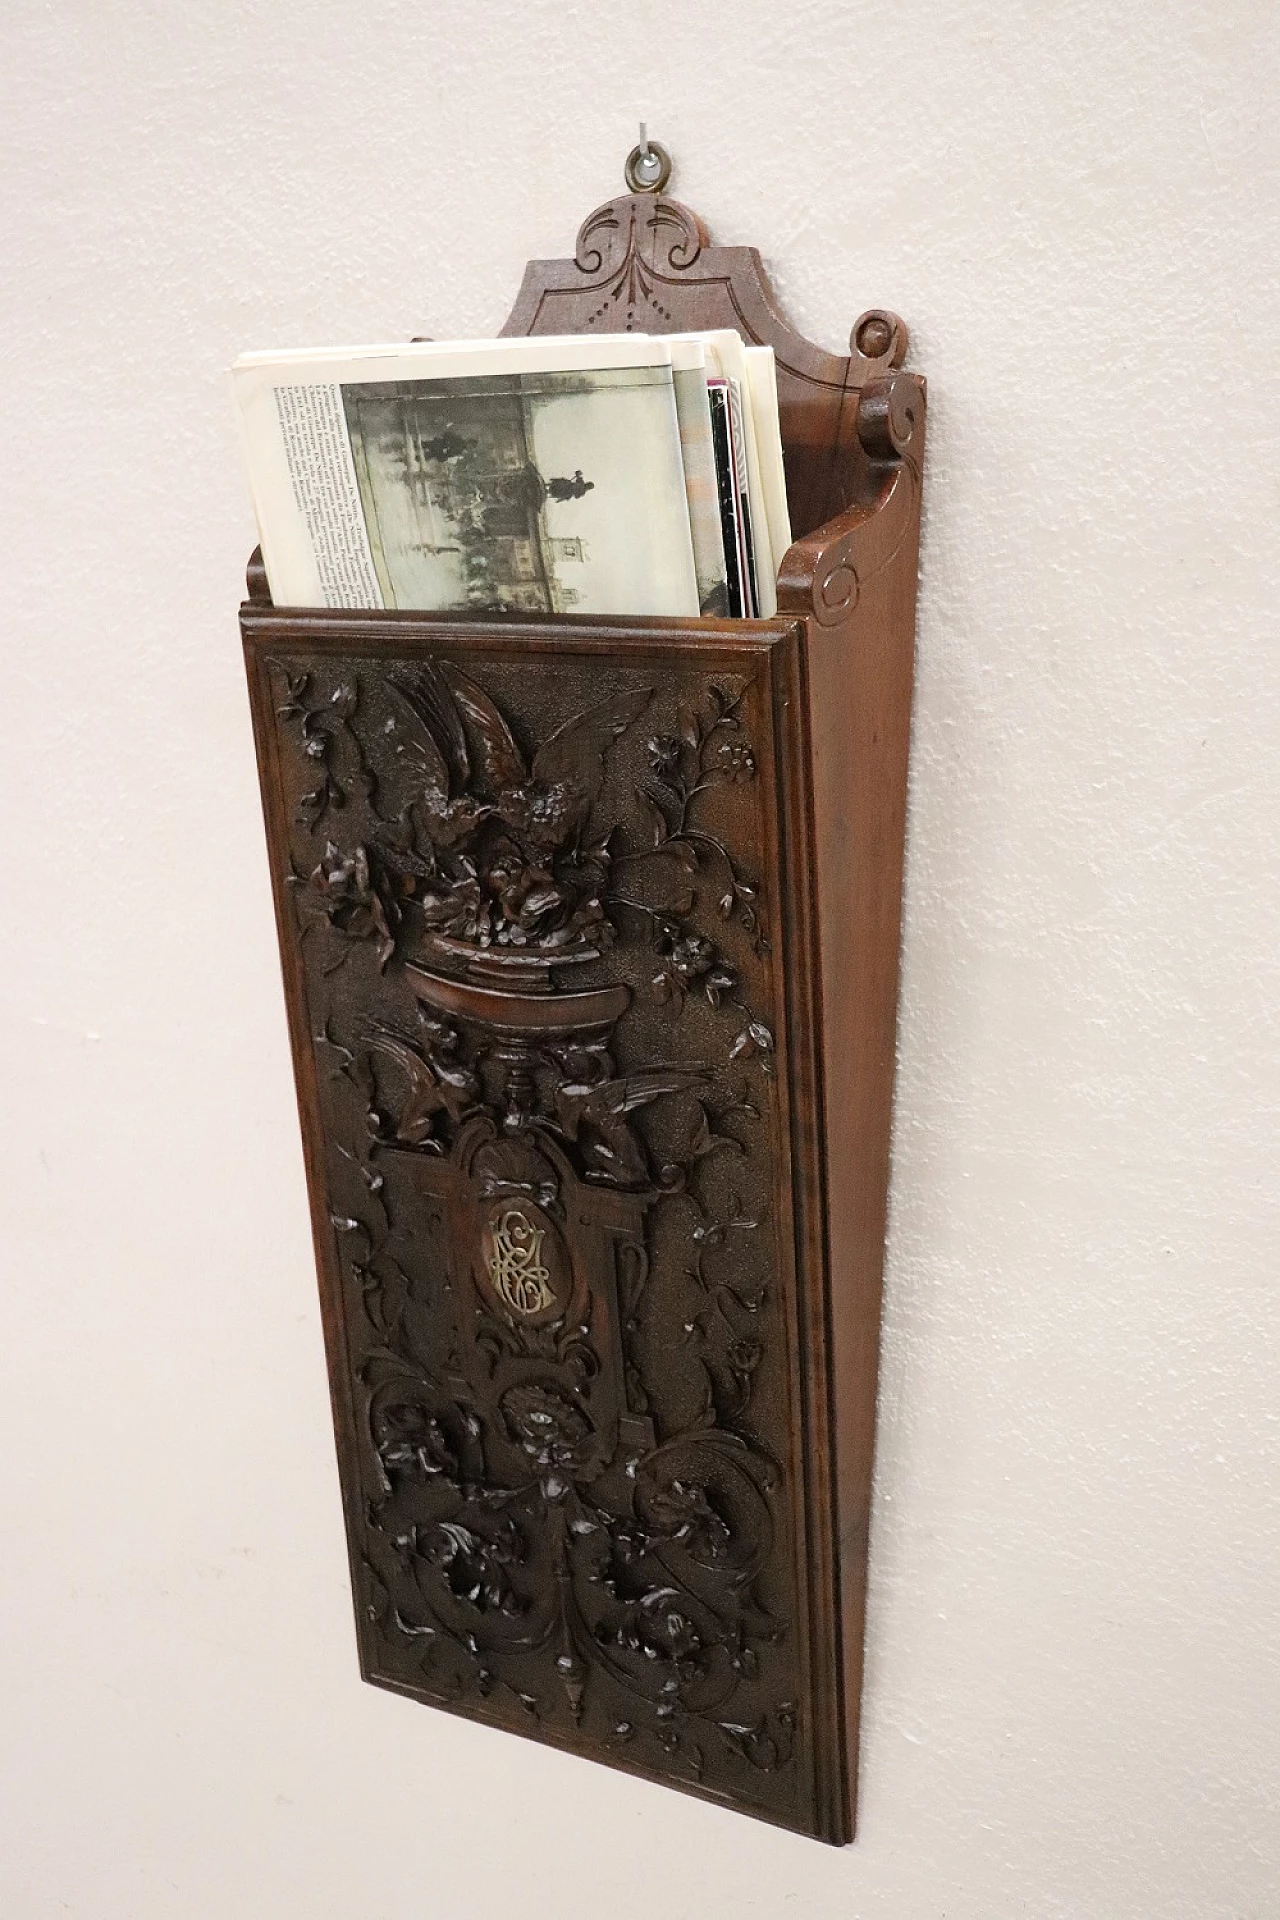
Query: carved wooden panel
(547,951)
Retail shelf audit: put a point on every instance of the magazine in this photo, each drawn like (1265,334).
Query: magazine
(730,475)
(762,384)
(697,450)
(525,476)
(727,360)
(615,474)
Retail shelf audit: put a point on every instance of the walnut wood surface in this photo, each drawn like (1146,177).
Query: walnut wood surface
(590,936)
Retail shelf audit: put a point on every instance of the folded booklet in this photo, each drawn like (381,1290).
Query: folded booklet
(618,474)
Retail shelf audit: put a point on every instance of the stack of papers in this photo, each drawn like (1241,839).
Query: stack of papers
(610,474)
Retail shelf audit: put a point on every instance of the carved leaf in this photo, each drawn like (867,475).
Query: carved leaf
(704,1140)
(755,1038)
(580,744)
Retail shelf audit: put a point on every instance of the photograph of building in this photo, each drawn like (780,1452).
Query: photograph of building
(454,501)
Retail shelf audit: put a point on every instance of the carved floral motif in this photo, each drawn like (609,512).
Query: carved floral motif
(628,247)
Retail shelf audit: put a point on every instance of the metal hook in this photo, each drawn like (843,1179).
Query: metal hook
(648,167)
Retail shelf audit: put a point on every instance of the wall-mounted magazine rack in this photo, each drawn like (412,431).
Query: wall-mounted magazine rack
(599,1209)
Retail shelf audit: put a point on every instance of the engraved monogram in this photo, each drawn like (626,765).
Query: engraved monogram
(512,1250)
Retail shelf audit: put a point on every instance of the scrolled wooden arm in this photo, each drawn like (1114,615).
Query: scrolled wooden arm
(825,572)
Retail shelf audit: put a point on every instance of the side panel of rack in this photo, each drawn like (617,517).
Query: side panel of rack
(546,917)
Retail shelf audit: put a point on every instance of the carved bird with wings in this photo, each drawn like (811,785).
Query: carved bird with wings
(507,833)
(427,738)
(593,1113)
(436,1082)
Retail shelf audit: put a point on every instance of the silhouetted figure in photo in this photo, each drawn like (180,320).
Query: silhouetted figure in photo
(561,489)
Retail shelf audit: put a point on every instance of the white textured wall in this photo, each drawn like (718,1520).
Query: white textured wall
(1072,1700)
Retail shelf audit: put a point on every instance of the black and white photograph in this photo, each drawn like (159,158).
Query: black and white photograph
(505,492)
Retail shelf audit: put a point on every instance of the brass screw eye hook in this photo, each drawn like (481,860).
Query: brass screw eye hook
(648,167)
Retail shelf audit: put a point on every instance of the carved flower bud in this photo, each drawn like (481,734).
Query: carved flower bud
(664,754)
(737,760)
